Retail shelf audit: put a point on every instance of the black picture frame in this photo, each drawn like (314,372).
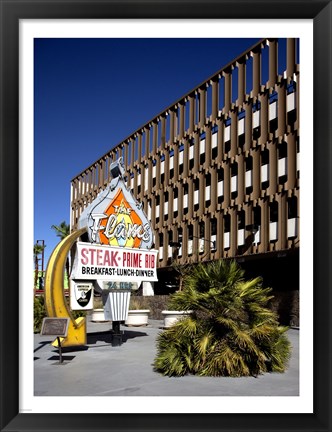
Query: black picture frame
(11,12)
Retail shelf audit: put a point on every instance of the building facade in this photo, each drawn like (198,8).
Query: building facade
(218,170)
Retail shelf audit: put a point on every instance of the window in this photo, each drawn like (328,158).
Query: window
(227,135)
(256,121)
(257,224)
(162,169)
(234,179)
(291,103)
(157,208)
(191,154)
(292,217)
(190,239)
(196,194)
(248,175)
(146,177)
(292,207)
(214,234)
(227,229)
(180,241)
(202,149)
(166,206)
(185,198)
(161,246)
(214,142)
(273,112)
(154,173)
(220,188)
(208,190)
(132,182)
(282,162)
(175,202)
(181,148)
(241,229)
(241,129)
(201,245)
(169,247)
(265,169)
(171,164)
(149,209)
(273,221)
(138,181)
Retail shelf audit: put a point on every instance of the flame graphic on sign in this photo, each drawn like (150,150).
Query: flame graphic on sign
(127,217)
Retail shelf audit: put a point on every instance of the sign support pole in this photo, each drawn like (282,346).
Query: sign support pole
(117,335)
(60,350)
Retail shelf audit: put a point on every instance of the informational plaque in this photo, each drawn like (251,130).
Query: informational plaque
(55,327)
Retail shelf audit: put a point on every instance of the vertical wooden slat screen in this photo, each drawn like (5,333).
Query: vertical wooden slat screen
(205,114)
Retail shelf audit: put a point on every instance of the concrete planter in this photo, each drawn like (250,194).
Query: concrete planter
(98,315)
(171,317)
(137,317)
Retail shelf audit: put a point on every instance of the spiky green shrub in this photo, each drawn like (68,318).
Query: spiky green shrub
(39,313)
(230,332)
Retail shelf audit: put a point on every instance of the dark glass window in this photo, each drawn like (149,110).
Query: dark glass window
(265,161)
(273,123)
(185,192)
(256,130)
(292,207)
(234,173)
(196,188)
(282,154)
(220,174)
(274,211)
(175,196)
(228,139)
(207,184)
(214,136)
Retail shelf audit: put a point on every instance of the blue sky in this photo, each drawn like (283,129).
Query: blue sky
(90,94)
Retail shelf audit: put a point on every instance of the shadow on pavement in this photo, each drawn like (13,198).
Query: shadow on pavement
(41,345)
(106,336)
(64,358)
(131,334)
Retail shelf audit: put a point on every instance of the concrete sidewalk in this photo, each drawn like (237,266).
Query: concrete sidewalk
(98,369)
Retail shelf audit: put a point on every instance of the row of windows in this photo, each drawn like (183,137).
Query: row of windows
(100,173)
(256,120)
(178,121)
(203,186)
(242,231)
(282,160)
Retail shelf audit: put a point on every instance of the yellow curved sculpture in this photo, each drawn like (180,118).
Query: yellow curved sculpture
(55,302)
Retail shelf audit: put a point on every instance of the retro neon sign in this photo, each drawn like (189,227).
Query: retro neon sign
(114,263)
(120,236)
(115,218)
(120,225)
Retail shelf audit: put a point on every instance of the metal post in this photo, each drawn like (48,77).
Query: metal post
(60,350)
(117,336)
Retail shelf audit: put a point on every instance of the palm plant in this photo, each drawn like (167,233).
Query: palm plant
(37,250)
(63,231)
(230,332)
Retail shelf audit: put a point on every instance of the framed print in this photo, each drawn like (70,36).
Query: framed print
(262,196)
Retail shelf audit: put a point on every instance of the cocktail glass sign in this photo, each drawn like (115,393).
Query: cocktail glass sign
(120,239)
